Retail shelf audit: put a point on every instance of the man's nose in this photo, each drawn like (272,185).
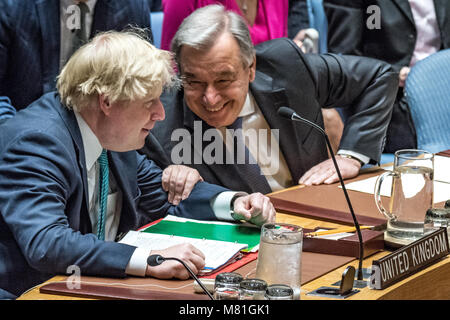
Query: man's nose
(158,113)
(211,96)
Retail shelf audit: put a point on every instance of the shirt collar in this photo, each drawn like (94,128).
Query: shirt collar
(91,144)
(249,106)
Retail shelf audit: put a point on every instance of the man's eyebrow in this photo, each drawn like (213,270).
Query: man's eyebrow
(188,75)
(226,73)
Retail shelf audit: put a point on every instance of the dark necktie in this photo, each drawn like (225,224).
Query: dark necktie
(250,169)
(103,194)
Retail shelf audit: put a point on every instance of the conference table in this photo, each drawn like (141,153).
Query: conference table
(433,282)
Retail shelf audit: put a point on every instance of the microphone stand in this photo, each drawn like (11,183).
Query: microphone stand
(294,116)
(155,260)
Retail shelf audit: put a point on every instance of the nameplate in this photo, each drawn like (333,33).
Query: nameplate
(409,259)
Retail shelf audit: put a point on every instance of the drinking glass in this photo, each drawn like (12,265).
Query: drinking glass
(280,255)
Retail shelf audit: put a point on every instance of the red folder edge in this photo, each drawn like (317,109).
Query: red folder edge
(247,257)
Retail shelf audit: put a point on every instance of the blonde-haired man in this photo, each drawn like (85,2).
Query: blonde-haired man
(71,181)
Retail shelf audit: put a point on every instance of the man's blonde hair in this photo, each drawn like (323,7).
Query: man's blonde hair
(123,66)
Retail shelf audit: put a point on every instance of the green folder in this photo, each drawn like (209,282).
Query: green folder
(222,232)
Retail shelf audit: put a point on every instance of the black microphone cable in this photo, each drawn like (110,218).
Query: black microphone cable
(290,114)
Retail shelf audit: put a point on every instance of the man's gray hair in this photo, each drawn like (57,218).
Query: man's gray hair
(201,29)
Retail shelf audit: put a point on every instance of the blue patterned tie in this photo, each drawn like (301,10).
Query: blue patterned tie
(103,194)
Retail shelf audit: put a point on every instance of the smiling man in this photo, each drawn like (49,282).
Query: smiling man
(71,181)
(229,84)
(216,81)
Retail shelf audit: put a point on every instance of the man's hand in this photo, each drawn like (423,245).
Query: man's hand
(255,208)
(193,257)
(325,171)
(179,181)
(299,37)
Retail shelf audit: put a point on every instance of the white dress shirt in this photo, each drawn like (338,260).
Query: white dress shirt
(221,204)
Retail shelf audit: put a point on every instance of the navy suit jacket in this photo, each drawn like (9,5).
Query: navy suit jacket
(30,41)
(44,220)
(306,83)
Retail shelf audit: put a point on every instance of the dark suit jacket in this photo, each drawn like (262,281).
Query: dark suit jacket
(30,41)
(44,219)
(287,77)
(394,42)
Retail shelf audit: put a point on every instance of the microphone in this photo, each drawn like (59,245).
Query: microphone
(156,259)
(291,115)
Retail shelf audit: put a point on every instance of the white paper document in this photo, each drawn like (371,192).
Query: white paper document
(442,169)
(217,253)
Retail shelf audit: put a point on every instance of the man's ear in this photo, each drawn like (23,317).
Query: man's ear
(104,104)
(252,70)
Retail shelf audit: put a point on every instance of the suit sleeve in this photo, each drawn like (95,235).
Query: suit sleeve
(366,88)
(6,109)
(155,151)
(37,174)
(346,23)
(153,200)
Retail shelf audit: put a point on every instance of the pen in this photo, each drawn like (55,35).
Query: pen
(334,231)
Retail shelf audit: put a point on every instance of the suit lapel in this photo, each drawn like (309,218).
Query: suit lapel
(50,29)
(291,135)
(405,8)
(72,125)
